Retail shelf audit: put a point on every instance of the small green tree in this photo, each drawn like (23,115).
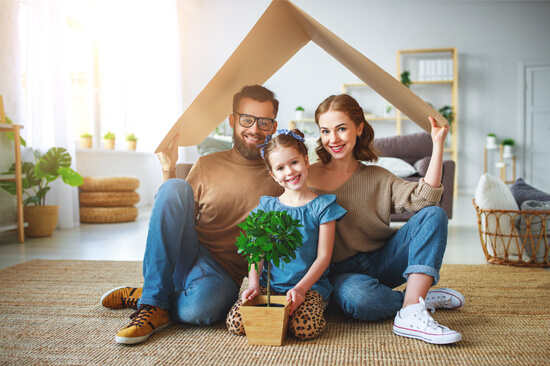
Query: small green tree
(270,236)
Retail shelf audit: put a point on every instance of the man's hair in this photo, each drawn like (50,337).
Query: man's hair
(257,93)
(364,149)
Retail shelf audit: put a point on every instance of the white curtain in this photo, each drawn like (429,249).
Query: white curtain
(48,97)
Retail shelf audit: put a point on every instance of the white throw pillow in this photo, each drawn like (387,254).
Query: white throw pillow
(492,193)
(397,166)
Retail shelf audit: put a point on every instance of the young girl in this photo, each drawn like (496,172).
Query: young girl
(304,280)
(371,257)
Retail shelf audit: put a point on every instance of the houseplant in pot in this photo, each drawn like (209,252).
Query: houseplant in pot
(131,142)
(491,141)
(55,163)
(508,148)
(86,141)
(273,237)
(299,113)
(109,141)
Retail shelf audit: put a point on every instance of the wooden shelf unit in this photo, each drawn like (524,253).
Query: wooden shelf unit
(17,177)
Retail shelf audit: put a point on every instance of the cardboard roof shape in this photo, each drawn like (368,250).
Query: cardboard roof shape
(278,35)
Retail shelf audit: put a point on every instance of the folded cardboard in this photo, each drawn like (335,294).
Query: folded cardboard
(278,35)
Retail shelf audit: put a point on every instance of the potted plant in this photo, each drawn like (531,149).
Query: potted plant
(55,163)
(272,237)
(109,141)
(508,148)
(86,141)
(131,142)
(491,142)
(447,113)
(299,113)
(405,78)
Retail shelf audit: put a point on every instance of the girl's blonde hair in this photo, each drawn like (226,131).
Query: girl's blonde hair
(364,149)
(284,139)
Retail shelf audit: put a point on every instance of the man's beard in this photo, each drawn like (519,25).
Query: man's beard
(249,152)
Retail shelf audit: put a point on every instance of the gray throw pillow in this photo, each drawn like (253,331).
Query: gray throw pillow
(524,192)
(536,221)
(422,165)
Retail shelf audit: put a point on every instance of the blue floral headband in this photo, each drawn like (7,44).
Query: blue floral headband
(281,132)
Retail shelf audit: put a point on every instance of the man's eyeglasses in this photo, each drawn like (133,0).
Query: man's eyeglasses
(246,120)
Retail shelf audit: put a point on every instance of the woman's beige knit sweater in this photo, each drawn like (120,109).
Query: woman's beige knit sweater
(370,196)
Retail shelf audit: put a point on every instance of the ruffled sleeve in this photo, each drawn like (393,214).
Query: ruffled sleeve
(326,208)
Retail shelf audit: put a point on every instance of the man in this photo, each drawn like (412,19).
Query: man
(192,271)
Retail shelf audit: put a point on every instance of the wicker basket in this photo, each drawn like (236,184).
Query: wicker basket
(518,238)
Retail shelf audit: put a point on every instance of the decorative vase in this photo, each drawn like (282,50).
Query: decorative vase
(41,220)
(266,325)
(86,142)
(109,144)
(131,145)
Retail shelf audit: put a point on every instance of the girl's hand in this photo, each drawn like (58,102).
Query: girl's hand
(250,293)
(297,296)
(438,133)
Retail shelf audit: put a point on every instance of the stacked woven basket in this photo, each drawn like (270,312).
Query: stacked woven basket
(108,200)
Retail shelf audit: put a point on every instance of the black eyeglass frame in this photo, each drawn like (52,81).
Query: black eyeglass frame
(255,121)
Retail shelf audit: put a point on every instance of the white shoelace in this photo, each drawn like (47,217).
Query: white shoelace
(437,303)
(425,316)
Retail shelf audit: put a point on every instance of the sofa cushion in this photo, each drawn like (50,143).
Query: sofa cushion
(422,165)
(409,147)
(397,166)
(524,192)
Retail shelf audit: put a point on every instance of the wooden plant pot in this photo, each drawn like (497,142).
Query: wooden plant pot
(86,142)
(42,220)
(109,144)
(131,145)
(266,325)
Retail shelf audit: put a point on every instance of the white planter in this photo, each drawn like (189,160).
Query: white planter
(507,151)
(299,115)
(491,142)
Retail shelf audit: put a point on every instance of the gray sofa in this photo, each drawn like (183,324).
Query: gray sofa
(415,149)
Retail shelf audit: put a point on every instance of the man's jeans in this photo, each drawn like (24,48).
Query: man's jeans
(179,273)
(363,283)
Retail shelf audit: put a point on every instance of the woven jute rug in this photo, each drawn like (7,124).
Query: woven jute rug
(50,315)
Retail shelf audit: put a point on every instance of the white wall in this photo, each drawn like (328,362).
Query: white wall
(492,38)
(11,91)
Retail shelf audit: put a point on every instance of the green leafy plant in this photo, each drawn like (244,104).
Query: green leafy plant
(405,78)
(11,136)
(270,236)
(131,137)
(109,136)
(491,135)
(447,112)
(86,135)
(510,142)
(53,164)
(300,108)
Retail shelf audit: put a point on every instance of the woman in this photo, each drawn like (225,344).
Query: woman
(370,257)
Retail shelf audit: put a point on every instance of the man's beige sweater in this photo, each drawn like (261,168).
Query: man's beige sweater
(370,196)
(227,187)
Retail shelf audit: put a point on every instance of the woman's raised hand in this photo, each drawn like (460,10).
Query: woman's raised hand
(438,133)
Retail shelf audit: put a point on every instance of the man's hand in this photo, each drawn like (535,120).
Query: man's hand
(169,157)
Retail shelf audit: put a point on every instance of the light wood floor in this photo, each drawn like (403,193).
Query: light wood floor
(126,241)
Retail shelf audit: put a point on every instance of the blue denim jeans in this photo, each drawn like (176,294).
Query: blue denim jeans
(363,284)
(179,273)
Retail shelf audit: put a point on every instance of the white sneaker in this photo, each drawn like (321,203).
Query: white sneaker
(420,325)
(444,298)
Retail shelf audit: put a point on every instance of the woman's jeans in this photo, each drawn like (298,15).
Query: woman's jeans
(179,273)
(363,283)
